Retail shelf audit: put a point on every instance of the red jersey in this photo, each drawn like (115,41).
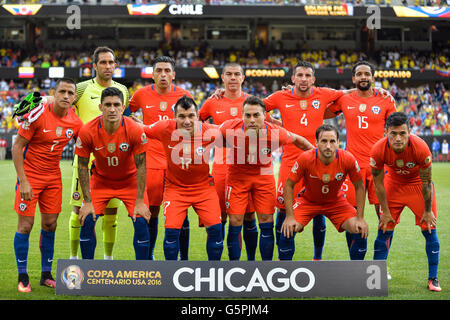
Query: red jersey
(156,107)
(250,152)
(364,120)
(187,157)
(220,111)
(323,182)
(114,154)
(403,168)
(47,137)
(301,116)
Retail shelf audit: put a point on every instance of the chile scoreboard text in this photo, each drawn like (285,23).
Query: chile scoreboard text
(221,279)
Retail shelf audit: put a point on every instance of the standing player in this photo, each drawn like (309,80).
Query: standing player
(86,107)
(365,112)
(36,154)
(250,171)
(230,107)
(407,182)
(156,102)
(302,110)
(118,171)
(323,171)
(187,143)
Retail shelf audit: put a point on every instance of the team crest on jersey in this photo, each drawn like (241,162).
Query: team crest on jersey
(362,107)
(76,196)
(69,133)
(326,178)
(59,131)
(410,165)
(303,104)
(200,151)
(316,104)
(163,106)
(111,147)
(124,146)
(234,111)
(373,163)
(227,204)
(22,207)
(339,176)
(265,151)
(399,163)
(376,110)
(280,200)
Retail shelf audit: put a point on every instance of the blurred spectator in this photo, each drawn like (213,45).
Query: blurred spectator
(445,150)
(436,149)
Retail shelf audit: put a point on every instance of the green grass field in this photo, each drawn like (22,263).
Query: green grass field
(407,261)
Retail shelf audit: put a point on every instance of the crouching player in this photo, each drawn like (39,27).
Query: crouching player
(323,170)
(406,183)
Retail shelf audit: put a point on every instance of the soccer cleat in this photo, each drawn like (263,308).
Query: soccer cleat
(433,285)
(47,280)
(24,283)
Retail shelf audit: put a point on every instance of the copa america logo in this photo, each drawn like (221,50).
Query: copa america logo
(72,277)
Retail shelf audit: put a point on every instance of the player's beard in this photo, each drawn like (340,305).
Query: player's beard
(302,88)
(362,87)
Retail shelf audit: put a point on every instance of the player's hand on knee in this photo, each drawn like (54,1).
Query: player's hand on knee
(385,219)
(429,219)
(362,227)
(142,210)
(86,209)
(290,225)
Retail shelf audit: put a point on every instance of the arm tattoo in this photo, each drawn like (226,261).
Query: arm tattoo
(83,175)
(425,176)
(139,161)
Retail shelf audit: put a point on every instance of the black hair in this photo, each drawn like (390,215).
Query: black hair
(111,92)
(65,80)
(185,102)
(303,64)
(102,50)
(396,119)
(326,127)
(164,59)
(252,100)
(363,63)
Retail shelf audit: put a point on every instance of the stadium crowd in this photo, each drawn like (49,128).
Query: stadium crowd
(201,55)
(427,106)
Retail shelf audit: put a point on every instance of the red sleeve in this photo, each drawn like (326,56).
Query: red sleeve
(155,130)
(134,102)
(376,155)
(297,171)
(423,154)
(353,170)
(271,101)
(284,136)
(332,95)
(28,131)
(204,112)
(139,140)
(83,146)
(336,106)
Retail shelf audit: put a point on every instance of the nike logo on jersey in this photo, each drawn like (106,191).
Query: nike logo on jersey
(349,108)
(148,107)
(100,148)
(289,105)
(313,176)
(45,130)
(94,98)
(220,112)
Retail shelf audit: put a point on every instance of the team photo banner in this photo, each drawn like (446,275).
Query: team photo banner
(221,279)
